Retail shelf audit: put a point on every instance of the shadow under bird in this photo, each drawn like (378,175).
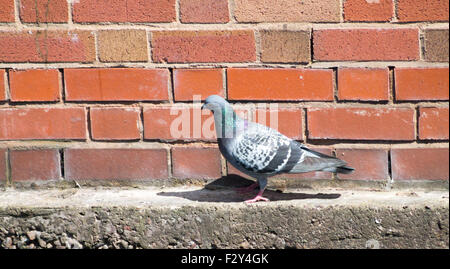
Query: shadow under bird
(261,152)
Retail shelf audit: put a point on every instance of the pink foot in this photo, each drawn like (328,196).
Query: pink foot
(256,199)
(248,188)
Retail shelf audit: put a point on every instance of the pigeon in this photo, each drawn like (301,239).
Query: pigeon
(262,152)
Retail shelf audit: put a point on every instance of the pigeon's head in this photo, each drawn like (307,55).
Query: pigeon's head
(215,103)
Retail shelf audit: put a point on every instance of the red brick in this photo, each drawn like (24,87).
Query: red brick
(3,153)
(115,123)
(280,84)
(29,165)
(364,10)
(42,123)
(420,164)
(433,123)
(6,11)
(116,84)
(363,84)
(287,11)
(369,164)
(429,10)
(204,11)
(203,46)
(34,85)
(111,164)
(47,46)
(289,120)
(158,123)
(44,11)
(203,82)
(361,123)
(2,85)
(124,11)
(366,44)
(421,84)
(196,162)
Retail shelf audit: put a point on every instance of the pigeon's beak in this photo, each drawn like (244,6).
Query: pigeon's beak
(203,106)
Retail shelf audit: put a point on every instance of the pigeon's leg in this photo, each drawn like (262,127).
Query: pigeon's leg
(248,188)
(262,186)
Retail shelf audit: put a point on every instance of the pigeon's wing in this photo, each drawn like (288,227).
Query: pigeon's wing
(261,150)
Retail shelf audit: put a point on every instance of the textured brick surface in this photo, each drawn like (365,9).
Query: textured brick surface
(366,44)
(115,123)
(124,11)
(200,82)
(280,84)
(196,162)
(286,11)
(363,84)
(6,11)
(44,10)
(2,85)
(203,46)
(116,84)
(204,11)
(42,123)
(361,123)
(367,10)
(369,164)
(429,10)
(420,164)
(3,153)
(433,123)
(47,46)
(123,46)
(285,46)
(34,85)
(287,121)
(436,45)
(29,165)
(115,164)
(421,83)
(178,123)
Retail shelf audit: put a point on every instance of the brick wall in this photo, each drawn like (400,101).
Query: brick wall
(88,87)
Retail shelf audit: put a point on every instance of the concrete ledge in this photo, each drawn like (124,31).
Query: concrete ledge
(195,217)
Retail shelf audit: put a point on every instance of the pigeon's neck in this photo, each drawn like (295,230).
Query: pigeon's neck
(227,123)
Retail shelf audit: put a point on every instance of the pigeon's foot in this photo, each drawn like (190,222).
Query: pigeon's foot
(247,189)
(257,199)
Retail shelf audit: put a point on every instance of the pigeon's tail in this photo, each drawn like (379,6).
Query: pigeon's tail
(344,170)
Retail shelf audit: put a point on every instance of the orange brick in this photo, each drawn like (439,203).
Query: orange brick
(34,85)
(421,84)
(203,46)
(124,11)
(115,164)
(204,11)
(44,11)
(6,11)
(42,123)
(420,164)
(203,82)
(429,10)
(363,84)
(366,44)
(159,124)
(47,46)
(2,85)
(363,10)
(115,123)
(433,123)
(361,123)
(289,121)
(369,164)
(196,162)
(280,84)
(116,84)
(29,165)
